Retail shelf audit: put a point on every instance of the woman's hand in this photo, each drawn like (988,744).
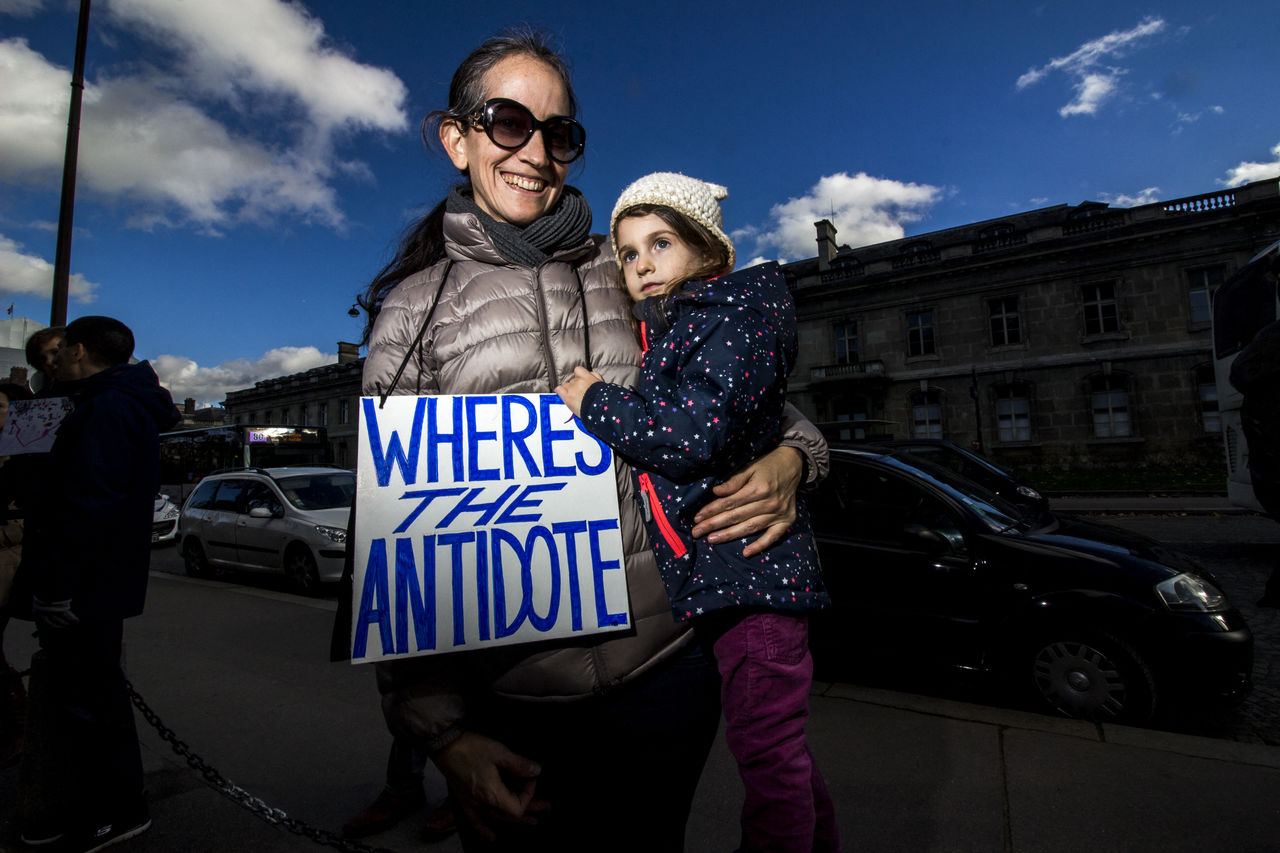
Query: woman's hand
(490,783)
(760,498)
(572,391)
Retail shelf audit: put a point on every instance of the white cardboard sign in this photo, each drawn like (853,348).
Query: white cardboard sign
(32,425)
(481,520)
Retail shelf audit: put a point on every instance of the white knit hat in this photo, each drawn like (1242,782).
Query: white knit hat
(696,199)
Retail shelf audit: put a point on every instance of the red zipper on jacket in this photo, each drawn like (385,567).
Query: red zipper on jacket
(664,526)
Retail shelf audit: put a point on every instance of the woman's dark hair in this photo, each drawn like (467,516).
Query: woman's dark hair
(423,242)
(715,258)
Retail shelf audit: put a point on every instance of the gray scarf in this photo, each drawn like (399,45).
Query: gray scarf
(531,246)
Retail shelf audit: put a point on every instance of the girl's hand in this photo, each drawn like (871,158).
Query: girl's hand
(759,499)
(572,391)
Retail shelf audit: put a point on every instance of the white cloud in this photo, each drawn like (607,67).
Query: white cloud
(29,275)
(20,8)
(1094,82)
(864,209)
(209,385)
(1150,195)
(1248,171)
(239,124)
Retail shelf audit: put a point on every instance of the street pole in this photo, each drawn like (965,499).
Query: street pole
(62,257)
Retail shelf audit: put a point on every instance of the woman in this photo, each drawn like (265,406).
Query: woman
(579,743)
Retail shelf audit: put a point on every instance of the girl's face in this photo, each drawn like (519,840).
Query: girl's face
(654,258)
(517,187)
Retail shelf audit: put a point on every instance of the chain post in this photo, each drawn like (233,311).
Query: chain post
(234,792)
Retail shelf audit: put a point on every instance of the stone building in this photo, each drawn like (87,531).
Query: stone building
(324,396)
(1068,336)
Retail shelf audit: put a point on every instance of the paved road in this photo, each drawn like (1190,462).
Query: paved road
(1239,548)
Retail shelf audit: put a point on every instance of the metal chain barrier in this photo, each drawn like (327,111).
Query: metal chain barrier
(234,792)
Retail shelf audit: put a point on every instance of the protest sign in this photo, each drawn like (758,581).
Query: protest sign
(481,520)
(32,425)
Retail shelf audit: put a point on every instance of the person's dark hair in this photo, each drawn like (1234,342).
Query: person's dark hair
(422,244)
(37,341)
(106,339)
(700,240)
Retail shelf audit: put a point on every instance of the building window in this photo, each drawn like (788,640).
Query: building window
(324,414)
(1101,315)
(846,343)
(850,415)
(926,414)
(1006,329)
(266,416)
(1203,284)
(344,412)
(304,420)
(1013,413)
(1208,394)
(920,333)
(1110,402)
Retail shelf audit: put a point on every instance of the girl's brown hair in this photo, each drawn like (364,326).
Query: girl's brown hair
(715,260)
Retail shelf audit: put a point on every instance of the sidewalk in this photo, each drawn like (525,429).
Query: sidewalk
(239,675)
(1157,504)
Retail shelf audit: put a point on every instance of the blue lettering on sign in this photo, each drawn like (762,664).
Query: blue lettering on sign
(382,462)
(517,439)
(570,529)
(475,436)
(504,627)
(456,541)
(469,504)
(549,436)
(598,567)
(375,605)
(435,438)
(420,600)
(495,556)
(606,453)
(525,500)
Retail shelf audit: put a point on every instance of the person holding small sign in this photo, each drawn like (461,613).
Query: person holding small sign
(592,742)
(718,348)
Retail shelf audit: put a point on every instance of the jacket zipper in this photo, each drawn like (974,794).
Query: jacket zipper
(664,526)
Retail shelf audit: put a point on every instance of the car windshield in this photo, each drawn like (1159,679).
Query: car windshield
(319,491)
(996,512)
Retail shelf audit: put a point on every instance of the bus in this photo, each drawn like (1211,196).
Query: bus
(186,456)
(1244,305)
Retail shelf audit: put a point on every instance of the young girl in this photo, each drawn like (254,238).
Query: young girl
(710,397)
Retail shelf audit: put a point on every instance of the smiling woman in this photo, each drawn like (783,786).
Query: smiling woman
(502,290)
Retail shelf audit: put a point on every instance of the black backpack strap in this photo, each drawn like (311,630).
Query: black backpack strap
(417,342)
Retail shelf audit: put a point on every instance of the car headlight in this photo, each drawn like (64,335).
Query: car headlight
(337,535)
(1028,492)
(1190,592)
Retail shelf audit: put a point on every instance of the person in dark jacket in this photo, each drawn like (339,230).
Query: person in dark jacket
(710,397)
(89,574)
(1255,373)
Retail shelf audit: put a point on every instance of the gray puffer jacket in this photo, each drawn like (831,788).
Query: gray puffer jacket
(503,328)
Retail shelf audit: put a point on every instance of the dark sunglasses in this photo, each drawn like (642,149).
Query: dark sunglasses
(510,125)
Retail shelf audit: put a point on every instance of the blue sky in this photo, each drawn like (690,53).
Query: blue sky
(247,165)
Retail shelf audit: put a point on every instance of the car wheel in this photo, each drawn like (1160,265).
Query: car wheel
(300,566)
(1093,676)
(193,557)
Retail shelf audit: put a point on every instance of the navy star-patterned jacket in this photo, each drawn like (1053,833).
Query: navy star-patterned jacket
(709,401)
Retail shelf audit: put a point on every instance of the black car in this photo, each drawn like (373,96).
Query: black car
(967,464)
(1085,619)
